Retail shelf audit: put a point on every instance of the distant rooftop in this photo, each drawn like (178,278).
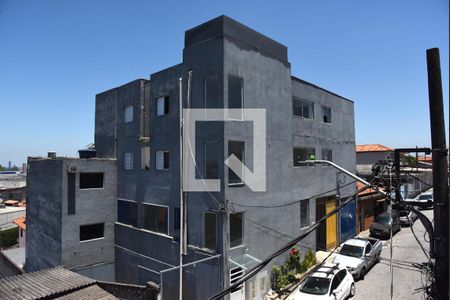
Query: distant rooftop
(373,148)
(20,222)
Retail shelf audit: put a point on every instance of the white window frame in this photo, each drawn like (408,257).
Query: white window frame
(128,161)
(128,114)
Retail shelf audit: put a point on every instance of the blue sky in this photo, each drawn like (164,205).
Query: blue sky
(56,55)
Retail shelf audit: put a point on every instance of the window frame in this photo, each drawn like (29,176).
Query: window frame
(168,218)
(91,239)
(136,216)
(163,160)
(241,182)
(205,91)
(127,157)
(128,114)
(242,230)
(324,107)
(91,188)
(296,164)
(205,173)
(146,161)
(204,231)
(165,107)
(309,102)
(307,201)
(330,152)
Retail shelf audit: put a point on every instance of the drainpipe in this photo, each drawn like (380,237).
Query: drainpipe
(181,189)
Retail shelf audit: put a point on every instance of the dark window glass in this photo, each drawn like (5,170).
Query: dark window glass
(210,224)
(211,92)
(176,218)
(302,154)
(127,212)
(304,213)
(303,108)
(155,218)
(238,149)
(93,231)
(71,193)
(235,229)
(327,154)
(368,248)
(211,161)
(326,114)
(166,105)
(91,180)
(235,91)
(166,159)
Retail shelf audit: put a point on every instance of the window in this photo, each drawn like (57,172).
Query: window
(236,148)
(93,231)
(326,114)
(209,231)
(235,92)
(304,213)
(162,106)
(162,160)
(302,154)
(327,154)
(211,92)
(91,180)
(368,248)
(127,212)
(70,193)
(156,218)
(145,158)
(128,161)
(303,108)
(235,229)
(211,161)
(128,114)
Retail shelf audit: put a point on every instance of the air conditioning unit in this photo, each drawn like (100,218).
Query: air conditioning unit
(72,168)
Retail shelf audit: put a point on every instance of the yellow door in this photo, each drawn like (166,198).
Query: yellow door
(331,224)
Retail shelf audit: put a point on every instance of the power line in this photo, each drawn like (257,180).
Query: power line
(290,203)
(253,271)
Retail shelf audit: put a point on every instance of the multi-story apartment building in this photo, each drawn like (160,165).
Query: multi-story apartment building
(225,65)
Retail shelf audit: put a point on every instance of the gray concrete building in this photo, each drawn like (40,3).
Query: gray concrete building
(70,217)
(225,65)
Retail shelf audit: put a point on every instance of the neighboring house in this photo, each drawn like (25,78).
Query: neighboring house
(369,154)
(10,213)
(225,65)
(59,283)
(370,205)
(20,222)
(71,212)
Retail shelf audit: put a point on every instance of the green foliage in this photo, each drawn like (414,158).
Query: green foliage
(310,259)
(8,237)
(291,276)
(279,280)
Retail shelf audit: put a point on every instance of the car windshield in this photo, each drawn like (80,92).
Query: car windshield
(383,219)
(350,250)
(426,197)
(316,286)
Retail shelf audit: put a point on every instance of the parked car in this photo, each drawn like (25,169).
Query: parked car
(327,282)
(425,200)
(407,217)
(358,255)
(382,226)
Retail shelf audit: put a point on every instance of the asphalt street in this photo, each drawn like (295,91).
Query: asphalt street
(407,279)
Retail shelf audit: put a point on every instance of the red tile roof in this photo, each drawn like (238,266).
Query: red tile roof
(372,148)
(425,158)
(368,191)
(21,223)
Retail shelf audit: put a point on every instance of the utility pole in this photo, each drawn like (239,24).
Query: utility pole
(440,176)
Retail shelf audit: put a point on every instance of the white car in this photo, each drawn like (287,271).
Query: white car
(332,282)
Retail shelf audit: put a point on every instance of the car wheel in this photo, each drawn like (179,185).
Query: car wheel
(378,257)
(352,290)
(362,274)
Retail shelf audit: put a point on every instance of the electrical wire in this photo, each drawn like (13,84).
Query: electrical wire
(253,271)
(293,202)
